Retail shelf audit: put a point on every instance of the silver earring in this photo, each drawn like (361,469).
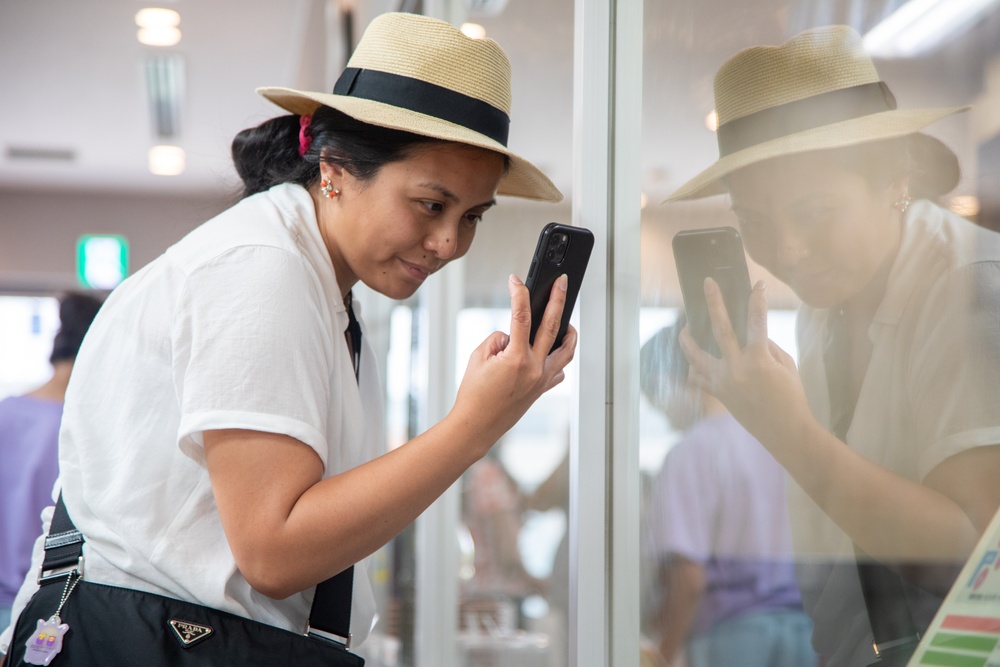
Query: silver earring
(903,203)
(326,187)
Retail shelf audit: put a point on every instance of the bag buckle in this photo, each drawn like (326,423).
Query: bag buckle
(894,644)
(45,576)
(329,636)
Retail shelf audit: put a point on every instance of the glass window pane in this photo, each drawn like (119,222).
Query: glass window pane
(28,326)
(862,462)
(513,527)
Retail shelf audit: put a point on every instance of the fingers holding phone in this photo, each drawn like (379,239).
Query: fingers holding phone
(523,326)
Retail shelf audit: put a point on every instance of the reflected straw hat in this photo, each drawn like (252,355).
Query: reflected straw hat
(421,75)
(816,91)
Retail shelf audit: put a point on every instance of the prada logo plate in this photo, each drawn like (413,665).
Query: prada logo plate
(189,633)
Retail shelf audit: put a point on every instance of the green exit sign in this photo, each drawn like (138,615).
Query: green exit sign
(101,260)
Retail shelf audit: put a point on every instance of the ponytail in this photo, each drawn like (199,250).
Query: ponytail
(268,155)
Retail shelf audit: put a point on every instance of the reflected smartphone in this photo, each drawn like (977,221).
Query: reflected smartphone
(560,249)
(716,253)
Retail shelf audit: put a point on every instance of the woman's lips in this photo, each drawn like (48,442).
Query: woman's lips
(415,270)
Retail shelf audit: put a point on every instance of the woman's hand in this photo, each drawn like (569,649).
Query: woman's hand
(758,383)
(506,374)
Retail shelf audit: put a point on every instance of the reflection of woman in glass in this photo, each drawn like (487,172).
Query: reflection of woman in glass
(899,339)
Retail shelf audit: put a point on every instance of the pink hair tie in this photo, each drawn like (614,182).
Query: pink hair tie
(304,138)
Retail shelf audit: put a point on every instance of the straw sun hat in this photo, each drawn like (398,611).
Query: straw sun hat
(818,90)
(422,75)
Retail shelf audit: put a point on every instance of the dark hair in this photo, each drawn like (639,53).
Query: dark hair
(662,364)
(268,155)
(76,312)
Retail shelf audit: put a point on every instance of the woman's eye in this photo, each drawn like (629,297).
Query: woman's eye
(433,206)
(816,216)
(474,218)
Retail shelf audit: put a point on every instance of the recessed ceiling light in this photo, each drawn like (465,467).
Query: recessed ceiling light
(712,121)
(165,36)
(473,30)
(158,26)
(157,17)
(964,205)
(166,160)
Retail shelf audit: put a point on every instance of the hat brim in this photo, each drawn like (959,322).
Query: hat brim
(523,179)
(874,127)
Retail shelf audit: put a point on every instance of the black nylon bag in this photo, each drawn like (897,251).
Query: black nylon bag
(111,626)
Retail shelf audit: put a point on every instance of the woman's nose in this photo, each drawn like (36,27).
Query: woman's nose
(792,249)
(442,239)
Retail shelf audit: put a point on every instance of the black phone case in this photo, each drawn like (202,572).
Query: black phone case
(717,253)
(552,259)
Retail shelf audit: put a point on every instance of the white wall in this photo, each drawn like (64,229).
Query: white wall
(39,230)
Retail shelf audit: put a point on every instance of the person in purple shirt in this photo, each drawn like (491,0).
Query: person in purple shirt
(718,532)
(29,438)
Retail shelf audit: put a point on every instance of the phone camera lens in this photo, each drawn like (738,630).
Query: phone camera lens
(557,248)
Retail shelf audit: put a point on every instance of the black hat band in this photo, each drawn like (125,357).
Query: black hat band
(805,114)
(426,98)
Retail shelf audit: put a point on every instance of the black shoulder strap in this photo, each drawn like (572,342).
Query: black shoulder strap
(63,547)
(888,610)
(882,589)
(330,616)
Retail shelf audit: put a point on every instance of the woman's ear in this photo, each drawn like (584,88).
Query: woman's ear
(331,171)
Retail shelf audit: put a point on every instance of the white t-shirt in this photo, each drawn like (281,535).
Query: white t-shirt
(929,393)
(238,325)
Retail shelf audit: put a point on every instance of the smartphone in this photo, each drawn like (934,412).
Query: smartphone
(712,253)
(560,249)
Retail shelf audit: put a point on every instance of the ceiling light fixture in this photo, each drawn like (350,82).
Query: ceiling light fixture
(920,25)
(712,121)
(473,30)
(158,26)
(166,160)
(964,205)
(166,36)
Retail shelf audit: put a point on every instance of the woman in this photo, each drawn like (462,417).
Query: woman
(833,187)
(222,435)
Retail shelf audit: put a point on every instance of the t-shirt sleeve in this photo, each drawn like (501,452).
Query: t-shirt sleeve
(956,369)
(684,504)
(252,349)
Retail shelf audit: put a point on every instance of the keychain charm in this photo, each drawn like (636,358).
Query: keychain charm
(42,646)
(47,640)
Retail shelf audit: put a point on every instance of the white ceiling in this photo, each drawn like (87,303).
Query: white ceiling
(71,79)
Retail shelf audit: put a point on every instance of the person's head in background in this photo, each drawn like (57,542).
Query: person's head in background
(76,312)
(663,379)
(820,165)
